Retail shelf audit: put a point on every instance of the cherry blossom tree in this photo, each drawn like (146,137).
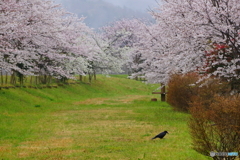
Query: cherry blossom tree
(40,38)
(189,29)
(128,34)
(106,58)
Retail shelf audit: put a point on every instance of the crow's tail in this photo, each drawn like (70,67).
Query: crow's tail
(154,137)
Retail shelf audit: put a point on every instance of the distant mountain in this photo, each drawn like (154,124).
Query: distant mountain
(99,13)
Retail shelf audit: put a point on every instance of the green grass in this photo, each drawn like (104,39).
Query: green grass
(111,119)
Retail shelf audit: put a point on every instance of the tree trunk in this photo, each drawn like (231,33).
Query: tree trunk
(6,78)
(13,78)
(89,77)
(49,81)
(80,78)
(94,74)
(36,80)
(31,80)
(1,78)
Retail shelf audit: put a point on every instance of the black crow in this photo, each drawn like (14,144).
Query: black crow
(160,135)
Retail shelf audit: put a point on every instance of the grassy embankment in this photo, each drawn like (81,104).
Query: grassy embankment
(111,119)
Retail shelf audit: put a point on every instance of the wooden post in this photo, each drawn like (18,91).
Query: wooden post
(163,94)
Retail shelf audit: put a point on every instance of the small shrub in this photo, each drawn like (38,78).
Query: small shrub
(208,89)
(216,127)
(180,90)
(184,89)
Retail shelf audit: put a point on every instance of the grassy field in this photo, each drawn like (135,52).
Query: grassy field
(111,119)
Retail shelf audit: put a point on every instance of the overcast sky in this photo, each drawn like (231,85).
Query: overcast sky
(101,14)
(142,5)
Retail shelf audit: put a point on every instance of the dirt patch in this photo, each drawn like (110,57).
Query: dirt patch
(5,148)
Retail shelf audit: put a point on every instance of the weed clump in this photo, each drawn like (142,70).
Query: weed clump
(37,105)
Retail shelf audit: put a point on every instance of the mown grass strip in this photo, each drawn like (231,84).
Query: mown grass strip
(113,118)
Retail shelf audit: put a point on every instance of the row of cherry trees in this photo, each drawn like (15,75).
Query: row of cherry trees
(196,35)
(39,38)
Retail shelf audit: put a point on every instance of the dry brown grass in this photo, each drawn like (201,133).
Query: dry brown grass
(112,101)
(49,147)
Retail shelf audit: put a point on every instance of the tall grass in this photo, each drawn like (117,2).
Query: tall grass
(110,119)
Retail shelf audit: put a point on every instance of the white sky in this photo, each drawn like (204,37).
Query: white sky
(142,5)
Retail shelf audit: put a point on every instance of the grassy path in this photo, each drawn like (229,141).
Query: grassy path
(96,128)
